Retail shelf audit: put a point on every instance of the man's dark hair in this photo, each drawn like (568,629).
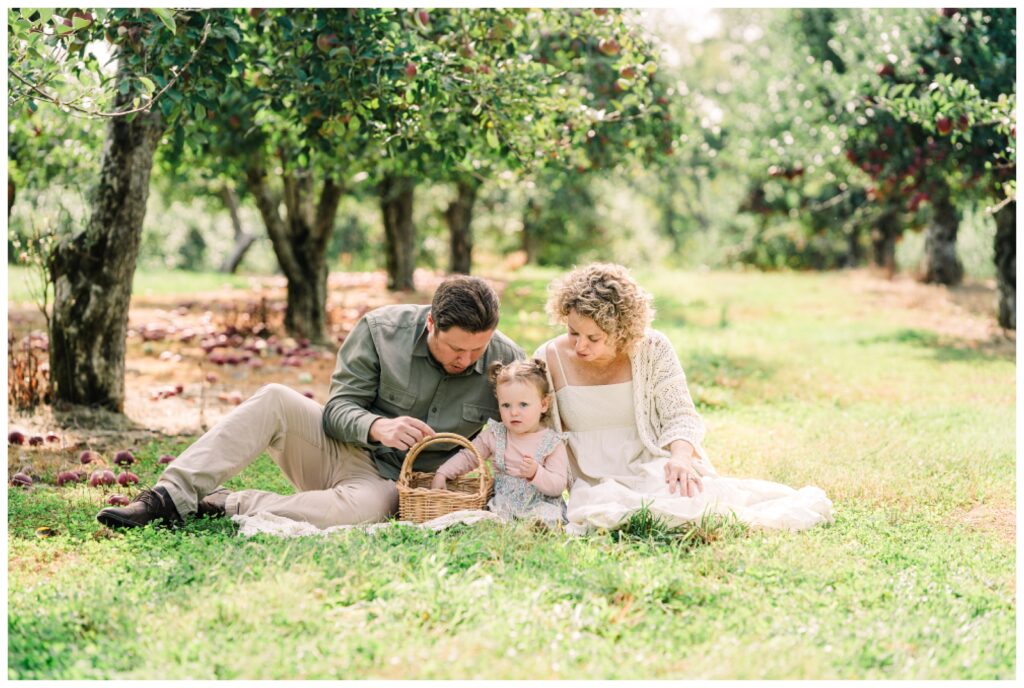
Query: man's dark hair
(468,303)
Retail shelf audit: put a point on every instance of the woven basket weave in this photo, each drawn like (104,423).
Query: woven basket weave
(418,502)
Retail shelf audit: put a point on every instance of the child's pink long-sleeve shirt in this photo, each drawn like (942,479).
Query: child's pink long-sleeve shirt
(552,472)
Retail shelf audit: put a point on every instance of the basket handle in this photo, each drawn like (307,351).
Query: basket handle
(405,476)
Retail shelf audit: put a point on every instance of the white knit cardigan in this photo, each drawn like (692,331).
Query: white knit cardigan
(664,408)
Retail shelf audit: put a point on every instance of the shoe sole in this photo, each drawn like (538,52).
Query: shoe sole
(115,521)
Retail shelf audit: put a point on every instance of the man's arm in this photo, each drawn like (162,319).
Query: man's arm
(354,386)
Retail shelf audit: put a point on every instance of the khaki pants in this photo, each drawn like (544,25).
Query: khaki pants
(337,483)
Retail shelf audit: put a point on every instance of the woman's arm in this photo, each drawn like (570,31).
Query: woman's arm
(677,415)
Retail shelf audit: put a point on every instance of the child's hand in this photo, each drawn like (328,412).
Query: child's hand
(438,483)
(528,467)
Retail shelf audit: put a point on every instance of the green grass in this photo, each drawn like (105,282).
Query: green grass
(904,428)
(147,282)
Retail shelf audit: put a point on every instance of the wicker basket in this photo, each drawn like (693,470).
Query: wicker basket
(418,502)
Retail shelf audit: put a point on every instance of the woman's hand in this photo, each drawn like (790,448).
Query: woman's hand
(438,483)
(683,473)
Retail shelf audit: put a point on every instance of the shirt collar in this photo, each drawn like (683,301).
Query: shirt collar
(419,348)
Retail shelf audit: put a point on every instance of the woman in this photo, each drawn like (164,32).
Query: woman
(634,434)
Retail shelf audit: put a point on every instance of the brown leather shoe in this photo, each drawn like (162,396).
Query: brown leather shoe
(148,506)
(214,503)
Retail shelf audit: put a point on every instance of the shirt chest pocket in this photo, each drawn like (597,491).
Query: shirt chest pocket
(476,414)
(391,397)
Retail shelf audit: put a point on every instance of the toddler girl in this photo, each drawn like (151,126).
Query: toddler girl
(529,458)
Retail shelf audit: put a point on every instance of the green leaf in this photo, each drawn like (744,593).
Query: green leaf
(492,139)
(200,112)
(44,15)
(354,124)
(166,16)
(148,84)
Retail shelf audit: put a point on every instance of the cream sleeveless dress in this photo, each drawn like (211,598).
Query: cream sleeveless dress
(616,475)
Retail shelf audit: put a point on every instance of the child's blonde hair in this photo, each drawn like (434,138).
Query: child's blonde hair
(533,370)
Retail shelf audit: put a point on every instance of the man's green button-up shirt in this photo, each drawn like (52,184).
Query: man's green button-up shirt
(385,370)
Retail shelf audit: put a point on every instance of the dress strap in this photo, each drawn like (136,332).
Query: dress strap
(558,358)
(549,443)
(500,443)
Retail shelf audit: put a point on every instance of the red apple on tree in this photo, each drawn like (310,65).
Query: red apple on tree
(944,125)
(410,70)
(327,41)
(608,46)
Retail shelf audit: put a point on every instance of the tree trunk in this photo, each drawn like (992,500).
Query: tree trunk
(1006,264)
(854,254)
(243,240)
(459,216)
(941,264)
(92,270)
(396,196)
(883,241)
(10,195)
(530,230)
(300,243)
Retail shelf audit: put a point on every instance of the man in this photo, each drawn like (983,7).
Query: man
(404,373)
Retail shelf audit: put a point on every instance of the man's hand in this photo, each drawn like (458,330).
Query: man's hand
(438,483)
(399,433)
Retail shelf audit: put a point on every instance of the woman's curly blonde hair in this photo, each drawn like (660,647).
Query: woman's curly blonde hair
(605,293)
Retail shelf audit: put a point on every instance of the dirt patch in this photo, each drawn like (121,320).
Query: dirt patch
(165,350)
(40,565)
(965,314)
(997,520)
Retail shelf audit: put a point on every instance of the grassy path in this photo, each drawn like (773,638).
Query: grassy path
(803,379)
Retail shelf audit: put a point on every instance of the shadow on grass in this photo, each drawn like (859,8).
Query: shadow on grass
(718,370)
(696,313)
(947,349)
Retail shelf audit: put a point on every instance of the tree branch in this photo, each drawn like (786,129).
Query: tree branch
(43,95)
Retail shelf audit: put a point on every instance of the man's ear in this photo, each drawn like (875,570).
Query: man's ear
(430,322)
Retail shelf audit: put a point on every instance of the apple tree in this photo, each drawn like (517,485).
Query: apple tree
(963,104)
(162,56)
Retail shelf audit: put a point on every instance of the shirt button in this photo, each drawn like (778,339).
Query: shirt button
(433,410)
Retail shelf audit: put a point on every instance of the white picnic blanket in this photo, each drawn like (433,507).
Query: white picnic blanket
(270,524)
